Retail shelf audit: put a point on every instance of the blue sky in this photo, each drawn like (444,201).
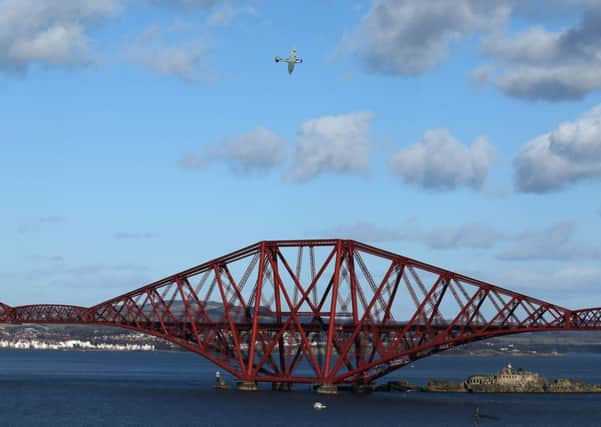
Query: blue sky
(139,138)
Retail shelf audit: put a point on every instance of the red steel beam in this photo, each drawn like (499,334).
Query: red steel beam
(242,328)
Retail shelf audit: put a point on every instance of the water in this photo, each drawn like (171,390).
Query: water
(175,389)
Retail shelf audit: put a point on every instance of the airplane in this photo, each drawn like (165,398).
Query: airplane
(291,60)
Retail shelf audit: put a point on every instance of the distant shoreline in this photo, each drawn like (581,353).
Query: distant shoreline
(105,347)
(102,338)
(516,354)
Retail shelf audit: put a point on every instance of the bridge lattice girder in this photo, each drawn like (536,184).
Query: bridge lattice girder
(317,311)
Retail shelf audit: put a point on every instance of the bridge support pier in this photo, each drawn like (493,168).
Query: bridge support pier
(326,389)
(221,385)
(281,386)
(361,388)
(219,382)
(246,386)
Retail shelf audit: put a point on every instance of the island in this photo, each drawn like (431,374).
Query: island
(507,380)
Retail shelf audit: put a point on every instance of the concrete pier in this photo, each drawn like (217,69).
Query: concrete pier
(326,389)
(246,386)
(219,382)
(221,386)
(281,386)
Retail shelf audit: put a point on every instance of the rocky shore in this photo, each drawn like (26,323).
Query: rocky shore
(561,385)
(507,380)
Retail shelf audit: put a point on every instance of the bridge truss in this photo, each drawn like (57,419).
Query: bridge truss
(316,311)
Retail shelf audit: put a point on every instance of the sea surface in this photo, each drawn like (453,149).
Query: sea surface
(53,388)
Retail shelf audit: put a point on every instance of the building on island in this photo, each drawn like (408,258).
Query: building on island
(508,379)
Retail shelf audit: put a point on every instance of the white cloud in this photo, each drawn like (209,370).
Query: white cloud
(441,162)
(227,12)
(161,50)
(570,153)
(554,243)
(472,236)
(184,61)
(220,13)
(571,278)
(181,49)
(467,236)
(547,65)
(406,37)
(256,151)
(338,144)
(48,32)
(185,4)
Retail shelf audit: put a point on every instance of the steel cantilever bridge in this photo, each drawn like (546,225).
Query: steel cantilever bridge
(316,311)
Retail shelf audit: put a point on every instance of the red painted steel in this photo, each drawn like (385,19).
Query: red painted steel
(5,313)
(49,313)
(346,313)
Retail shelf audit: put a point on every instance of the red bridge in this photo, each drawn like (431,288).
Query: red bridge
(316,311)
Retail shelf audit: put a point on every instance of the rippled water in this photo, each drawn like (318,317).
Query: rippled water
(175,389)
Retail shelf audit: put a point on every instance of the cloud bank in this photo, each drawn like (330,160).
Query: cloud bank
(48,32)
(259,150)
(338,144)
(537,64)
(405,37)
(568,154)
(441,162)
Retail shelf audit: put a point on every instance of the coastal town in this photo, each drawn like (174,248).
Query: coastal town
(72,345)
(78,338)
(101,338)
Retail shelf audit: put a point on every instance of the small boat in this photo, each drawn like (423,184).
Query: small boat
(319,405)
